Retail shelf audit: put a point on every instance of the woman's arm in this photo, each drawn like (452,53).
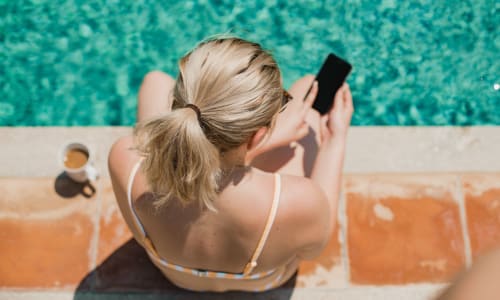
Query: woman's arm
(155,95)
(320,212)
(327,169)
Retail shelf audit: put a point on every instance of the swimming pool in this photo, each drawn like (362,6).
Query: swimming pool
(80,62)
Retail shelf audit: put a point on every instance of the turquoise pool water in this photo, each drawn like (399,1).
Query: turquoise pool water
(80,62)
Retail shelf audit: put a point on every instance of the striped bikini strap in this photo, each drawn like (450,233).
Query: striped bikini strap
(146,241)
(270,220)
(129,196)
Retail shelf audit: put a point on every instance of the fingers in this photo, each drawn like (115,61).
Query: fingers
(302,131)
(338,102)
(324,130)
(348,97)
(324,121)
(308,102)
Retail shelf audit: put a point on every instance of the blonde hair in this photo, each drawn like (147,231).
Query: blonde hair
(236,85)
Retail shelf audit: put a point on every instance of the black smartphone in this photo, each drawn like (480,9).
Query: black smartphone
(330,78)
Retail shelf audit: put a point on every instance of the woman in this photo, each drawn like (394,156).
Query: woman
(209,183)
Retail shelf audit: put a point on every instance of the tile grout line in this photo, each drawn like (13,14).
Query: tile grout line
(463,221)
(342,220)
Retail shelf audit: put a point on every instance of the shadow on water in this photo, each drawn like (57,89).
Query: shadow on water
(67,188)
(128,273)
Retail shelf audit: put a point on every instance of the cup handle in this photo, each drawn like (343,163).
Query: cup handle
(91,188)
(92,173)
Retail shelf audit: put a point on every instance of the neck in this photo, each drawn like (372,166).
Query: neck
(233,166)
(234,158)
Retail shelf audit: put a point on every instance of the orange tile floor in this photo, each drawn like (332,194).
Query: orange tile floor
(394,229)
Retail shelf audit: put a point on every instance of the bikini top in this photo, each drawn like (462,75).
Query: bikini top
(249,267)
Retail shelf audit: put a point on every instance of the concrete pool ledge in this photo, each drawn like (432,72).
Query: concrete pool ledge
(418,205)
(32,151)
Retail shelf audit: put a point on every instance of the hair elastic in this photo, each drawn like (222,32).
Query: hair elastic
(196,109)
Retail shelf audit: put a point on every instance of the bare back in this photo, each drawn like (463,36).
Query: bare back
(223,240)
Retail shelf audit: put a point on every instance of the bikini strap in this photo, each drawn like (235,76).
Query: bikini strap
(270,220)
(146,241)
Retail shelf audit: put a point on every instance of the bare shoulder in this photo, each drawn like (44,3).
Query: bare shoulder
(306,213)
(304,201)
(121,158)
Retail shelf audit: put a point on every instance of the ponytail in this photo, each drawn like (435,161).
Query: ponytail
(180,162)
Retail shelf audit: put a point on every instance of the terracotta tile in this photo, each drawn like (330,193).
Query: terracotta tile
(403,228)
(482,202)
(46,238)
(327,269)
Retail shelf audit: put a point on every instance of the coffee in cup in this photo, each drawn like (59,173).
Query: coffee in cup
(75,158)
(76,161)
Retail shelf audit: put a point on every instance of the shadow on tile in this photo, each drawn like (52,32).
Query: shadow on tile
(67,188)
(128,271)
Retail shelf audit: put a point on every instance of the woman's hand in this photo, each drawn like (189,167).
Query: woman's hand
(335,124)
(291,124)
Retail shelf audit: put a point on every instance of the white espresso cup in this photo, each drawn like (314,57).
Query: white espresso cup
(76,160)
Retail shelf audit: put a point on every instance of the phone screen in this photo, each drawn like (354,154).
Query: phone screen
(330,78)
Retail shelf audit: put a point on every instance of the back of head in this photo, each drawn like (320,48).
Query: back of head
(236,86)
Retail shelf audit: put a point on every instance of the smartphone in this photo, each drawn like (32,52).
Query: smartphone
(330,78)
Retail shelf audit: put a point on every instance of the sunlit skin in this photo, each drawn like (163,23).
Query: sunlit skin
(480,282)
